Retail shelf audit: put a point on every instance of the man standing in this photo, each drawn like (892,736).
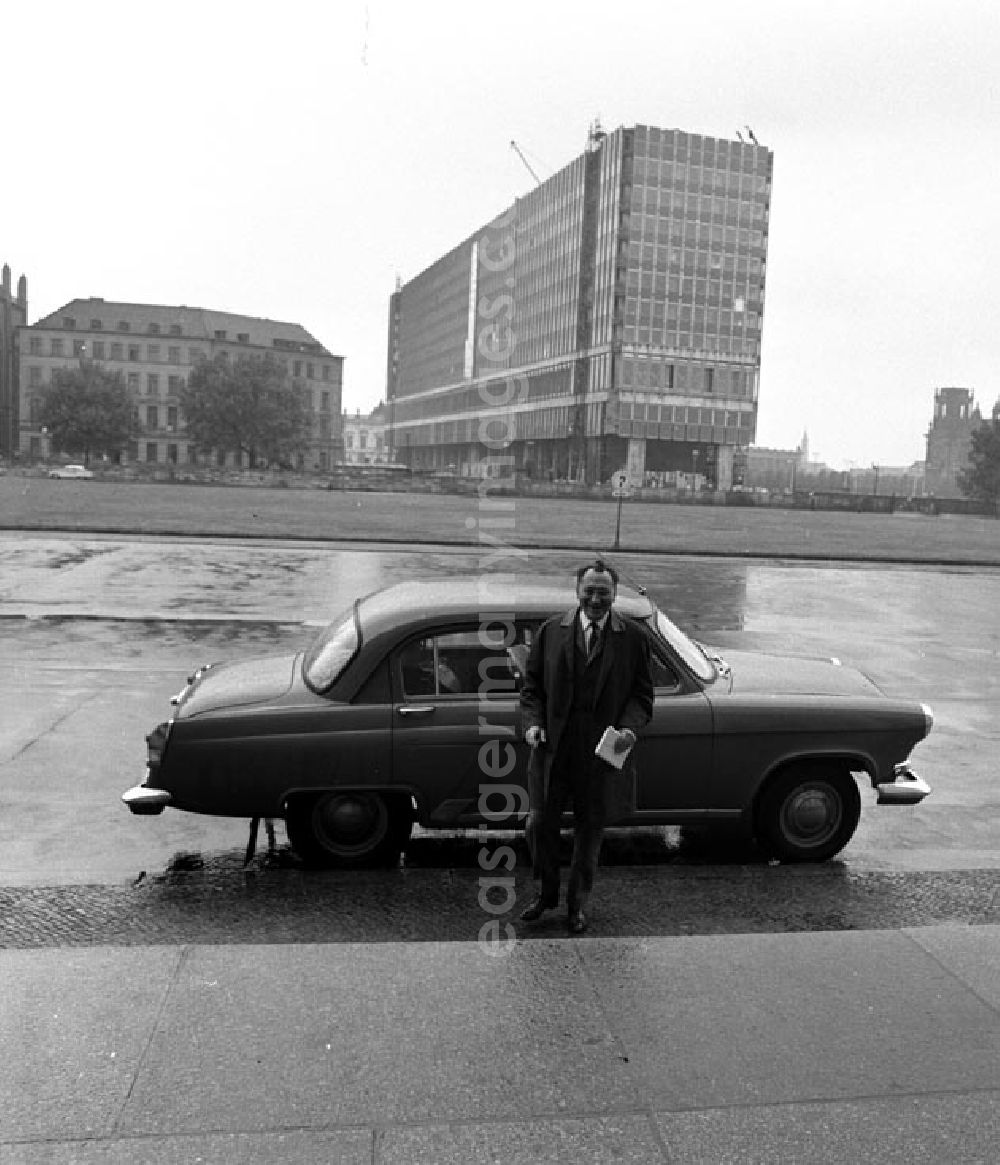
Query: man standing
(588,670)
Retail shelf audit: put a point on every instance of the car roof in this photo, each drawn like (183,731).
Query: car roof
(480,595)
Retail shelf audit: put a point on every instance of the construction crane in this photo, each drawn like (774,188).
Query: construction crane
(527,165)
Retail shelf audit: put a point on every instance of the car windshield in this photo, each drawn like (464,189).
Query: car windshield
(331,651)
(686,648)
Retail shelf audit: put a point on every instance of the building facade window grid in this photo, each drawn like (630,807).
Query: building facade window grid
(674,280)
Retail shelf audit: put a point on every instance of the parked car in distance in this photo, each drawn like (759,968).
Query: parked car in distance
(77,472)
(405,709)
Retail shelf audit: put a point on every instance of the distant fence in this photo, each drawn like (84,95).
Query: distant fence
(800,500)
(398,479)
(888,504)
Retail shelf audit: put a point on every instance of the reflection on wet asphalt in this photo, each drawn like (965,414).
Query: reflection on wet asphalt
(310,583)
(67,636)
(280,582)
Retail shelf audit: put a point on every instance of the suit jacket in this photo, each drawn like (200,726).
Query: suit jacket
(624,699)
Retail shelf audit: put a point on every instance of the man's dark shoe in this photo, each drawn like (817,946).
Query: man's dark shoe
(536,908)
(576,921)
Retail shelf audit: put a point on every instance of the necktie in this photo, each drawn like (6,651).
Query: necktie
(595,641)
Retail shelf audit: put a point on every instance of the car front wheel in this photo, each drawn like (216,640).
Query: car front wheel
(348,828)
(809,813)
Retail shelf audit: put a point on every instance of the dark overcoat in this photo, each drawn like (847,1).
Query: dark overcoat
(623,699)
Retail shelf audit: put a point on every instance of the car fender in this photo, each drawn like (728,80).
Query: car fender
(856,762)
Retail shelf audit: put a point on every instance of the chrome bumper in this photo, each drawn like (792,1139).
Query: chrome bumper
(906,788)
(144,801)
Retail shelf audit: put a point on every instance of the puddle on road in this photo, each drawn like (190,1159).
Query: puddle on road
(103,642)
(79,556)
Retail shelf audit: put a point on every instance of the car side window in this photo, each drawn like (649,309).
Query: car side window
(469,662)
(416,663)
(519,650)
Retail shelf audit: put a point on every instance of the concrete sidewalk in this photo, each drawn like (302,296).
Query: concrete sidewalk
(819,1047)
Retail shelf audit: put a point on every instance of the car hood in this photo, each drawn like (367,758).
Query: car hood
(237,685)
(795,675)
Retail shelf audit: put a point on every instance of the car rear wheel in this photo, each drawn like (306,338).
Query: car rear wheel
(809,812)
(348,828)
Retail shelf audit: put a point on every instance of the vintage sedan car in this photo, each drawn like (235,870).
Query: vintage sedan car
(72,472)
(405,709)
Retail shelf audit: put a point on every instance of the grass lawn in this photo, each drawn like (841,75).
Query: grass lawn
(35,503)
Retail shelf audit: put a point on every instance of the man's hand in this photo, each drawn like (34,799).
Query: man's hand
(624,740)
(535,736)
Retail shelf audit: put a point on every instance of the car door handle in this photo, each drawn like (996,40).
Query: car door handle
(416,709)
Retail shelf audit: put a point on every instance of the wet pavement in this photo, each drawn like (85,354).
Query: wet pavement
(895,610)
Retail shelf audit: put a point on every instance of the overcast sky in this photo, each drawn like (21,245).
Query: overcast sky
(289,159)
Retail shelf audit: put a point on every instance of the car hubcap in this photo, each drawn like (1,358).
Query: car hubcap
(350,824)
(812,814)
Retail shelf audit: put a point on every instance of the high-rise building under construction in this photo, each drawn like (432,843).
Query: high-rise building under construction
(610,318)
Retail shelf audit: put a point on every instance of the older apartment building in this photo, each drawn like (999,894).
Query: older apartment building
(364,437)
(155,348)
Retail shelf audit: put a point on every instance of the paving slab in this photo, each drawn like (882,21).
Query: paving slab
(297,1147)
(630,1140)
(753,1019)
(971,954)
(265,1037)
(913,1130)
(74,1026)
(686,1048)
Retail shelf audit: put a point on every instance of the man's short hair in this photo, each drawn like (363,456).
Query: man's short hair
(601,567)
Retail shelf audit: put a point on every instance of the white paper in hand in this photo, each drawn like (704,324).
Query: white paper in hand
(606,748)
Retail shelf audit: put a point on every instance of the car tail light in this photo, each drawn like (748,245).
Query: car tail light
(156,743)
